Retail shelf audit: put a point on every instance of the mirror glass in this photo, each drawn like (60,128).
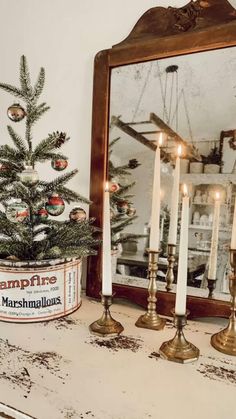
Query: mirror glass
(191,99)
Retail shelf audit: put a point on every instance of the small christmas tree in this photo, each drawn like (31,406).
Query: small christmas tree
(26,232)
(122,210)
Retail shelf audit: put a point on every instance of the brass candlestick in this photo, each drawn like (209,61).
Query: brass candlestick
(170,270)
(225,340)
(151,320)
(106,325)
(179,349)
(211,284)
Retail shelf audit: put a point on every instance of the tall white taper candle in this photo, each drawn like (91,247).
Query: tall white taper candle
(175,201)
(181,290)
(214,239)
(233,238)
(106,245)
(155,214)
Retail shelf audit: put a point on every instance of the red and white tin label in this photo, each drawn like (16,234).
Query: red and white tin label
(39,294)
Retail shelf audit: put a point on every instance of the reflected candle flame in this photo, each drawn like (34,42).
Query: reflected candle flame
(185,189)
(160,141)
(179,151)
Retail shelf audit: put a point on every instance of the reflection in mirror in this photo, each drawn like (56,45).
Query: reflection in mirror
(191,100)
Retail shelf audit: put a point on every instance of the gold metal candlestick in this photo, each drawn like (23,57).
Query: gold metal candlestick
(179,349)
(225,340)
(106,325)
(151,320)
(171,263)
(211,284)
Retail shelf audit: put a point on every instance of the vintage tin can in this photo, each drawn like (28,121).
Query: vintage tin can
(47,291)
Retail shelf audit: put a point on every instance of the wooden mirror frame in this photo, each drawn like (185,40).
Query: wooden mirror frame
(201,25)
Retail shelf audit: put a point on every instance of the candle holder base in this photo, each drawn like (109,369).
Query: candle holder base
(170,270)
(225,340)
(151,320)
(106,325)
(179,349)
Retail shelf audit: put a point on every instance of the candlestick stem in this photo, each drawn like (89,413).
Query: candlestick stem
(106,325)
(170,270)
(179,349)
(151,320)
(211,284)
(225,340)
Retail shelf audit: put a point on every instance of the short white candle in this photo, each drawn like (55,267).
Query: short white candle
(155,213)
(175,201)
(233,238)
(214,239)
(106,245)
(181,289)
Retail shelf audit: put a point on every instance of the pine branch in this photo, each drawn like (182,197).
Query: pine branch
(70,196)
(47,145)
(16,190)
(11,167)
(58,182)
(116,229)
(19,143)
(112,143)
(37,112)
(120,171)
(9,153)
(38,88)
(41,230)
(51,156)
(124,188)
(25,77)
(13,90)
(128,237)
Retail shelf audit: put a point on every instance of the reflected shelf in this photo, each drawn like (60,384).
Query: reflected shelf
(208,204)
(204,227)
(205,178)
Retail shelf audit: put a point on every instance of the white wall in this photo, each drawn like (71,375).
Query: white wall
(63,36)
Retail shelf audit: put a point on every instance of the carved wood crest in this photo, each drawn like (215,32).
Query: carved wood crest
(196,15)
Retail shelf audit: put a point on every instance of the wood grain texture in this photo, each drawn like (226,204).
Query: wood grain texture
(199,26)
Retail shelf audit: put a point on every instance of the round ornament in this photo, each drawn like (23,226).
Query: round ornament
(17,212)
(122,207)
(41,215)
(113,187)
(3,167)
(59,164)
(55,205)
(15,112)
(131,211)
(77,214)
(29,176)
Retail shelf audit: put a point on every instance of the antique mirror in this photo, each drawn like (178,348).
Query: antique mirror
(173,74)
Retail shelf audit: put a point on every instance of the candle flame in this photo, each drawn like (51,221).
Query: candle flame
(179,151)
(185,189)
(160,141)
(106,186)
(217,195)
